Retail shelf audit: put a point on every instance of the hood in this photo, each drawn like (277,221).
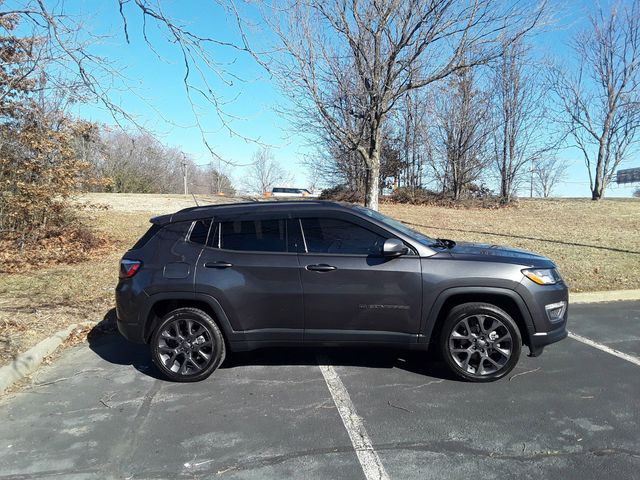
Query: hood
(498,253)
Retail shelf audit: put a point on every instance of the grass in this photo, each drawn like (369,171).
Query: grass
(38,303)
(596,246)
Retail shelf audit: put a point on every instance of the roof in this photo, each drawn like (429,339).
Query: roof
(194,213)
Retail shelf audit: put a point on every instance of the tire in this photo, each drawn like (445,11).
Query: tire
(187,345)
(479,342)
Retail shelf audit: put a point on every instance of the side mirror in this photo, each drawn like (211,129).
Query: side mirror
(394,248)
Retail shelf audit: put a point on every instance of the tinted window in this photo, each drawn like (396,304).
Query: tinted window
(199,231)
(147,236)
(255,235)
(330,235)
(214,236)
(420,237)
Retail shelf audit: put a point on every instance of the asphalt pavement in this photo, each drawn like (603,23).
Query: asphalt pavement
(101,411)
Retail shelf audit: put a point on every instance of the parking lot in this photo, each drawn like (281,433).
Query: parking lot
(99,411)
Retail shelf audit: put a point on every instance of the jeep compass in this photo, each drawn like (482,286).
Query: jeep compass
(212,279)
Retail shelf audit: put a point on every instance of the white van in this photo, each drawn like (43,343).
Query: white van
(291,192)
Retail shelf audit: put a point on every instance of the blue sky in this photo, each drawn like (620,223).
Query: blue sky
(157,98)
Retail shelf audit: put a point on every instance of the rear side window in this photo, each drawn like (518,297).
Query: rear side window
(200,231)
(331,235)
(254,235)
(147,236)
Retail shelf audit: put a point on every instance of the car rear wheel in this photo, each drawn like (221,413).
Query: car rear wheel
(187,346)
(479,342)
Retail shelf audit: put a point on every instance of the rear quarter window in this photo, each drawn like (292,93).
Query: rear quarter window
(142,241)
(200,231)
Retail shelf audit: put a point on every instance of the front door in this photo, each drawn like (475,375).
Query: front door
(247,267)
(352,292)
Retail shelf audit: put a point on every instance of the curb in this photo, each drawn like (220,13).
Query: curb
(607,296)
(29,361)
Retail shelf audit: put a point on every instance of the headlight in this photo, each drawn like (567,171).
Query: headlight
(543,276)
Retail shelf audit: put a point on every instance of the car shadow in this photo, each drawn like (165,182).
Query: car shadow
(368,357)
(106,342)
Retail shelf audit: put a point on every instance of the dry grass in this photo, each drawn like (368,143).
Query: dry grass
(33,305)
(155,204)
(38,303)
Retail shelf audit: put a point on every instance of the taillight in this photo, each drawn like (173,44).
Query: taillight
(128,268)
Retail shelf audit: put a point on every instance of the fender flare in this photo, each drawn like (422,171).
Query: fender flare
(220,315)
(432,317)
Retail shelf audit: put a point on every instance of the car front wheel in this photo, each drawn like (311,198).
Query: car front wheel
(187,346)
(480,342)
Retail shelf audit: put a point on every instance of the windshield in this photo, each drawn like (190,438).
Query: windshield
(401,227)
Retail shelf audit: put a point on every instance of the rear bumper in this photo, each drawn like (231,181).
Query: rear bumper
(128,302)
(132,331)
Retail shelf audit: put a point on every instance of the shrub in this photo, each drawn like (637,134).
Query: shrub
(479,197)
(342,193)
(413,195)
(39,169)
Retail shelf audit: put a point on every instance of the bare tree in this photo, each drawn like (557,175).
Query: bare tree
(66,55)
(522,133)
(462,116)
(265,172)
(601,100)
(409,124)
(217,181)
(416,139)
(548,173)
(345,65)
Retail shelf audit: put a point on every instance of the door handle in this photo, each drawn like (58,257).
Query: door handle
(322,267)
(218,265)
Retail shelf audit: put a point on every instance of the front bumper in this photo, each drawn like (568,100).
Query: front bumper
(539,340)
(545,331)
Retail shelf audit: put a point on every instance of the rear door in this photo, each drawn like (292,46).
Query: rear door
(248,267)
(352,292)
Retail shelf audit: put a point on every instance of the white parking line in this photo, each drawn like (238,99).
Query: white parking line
(604,348)
(367,456)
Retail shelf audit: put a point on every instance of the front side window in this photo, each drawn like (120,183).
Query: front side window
(393,223)
(254,235)
(332,235)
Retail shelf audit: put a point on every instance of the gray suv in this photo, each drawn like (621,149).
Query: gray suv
(236,277)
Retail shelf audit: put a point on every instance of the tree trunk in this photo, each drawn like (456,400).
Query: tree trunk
(373,181)
(505,187)
(598,184)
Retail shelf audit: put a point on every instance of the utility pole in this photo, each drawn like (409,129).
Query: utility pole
(184,174)
(531,182)
(219,174)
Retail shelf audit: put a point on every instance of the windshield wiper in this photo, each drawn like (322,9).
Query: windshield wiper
(444,243)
